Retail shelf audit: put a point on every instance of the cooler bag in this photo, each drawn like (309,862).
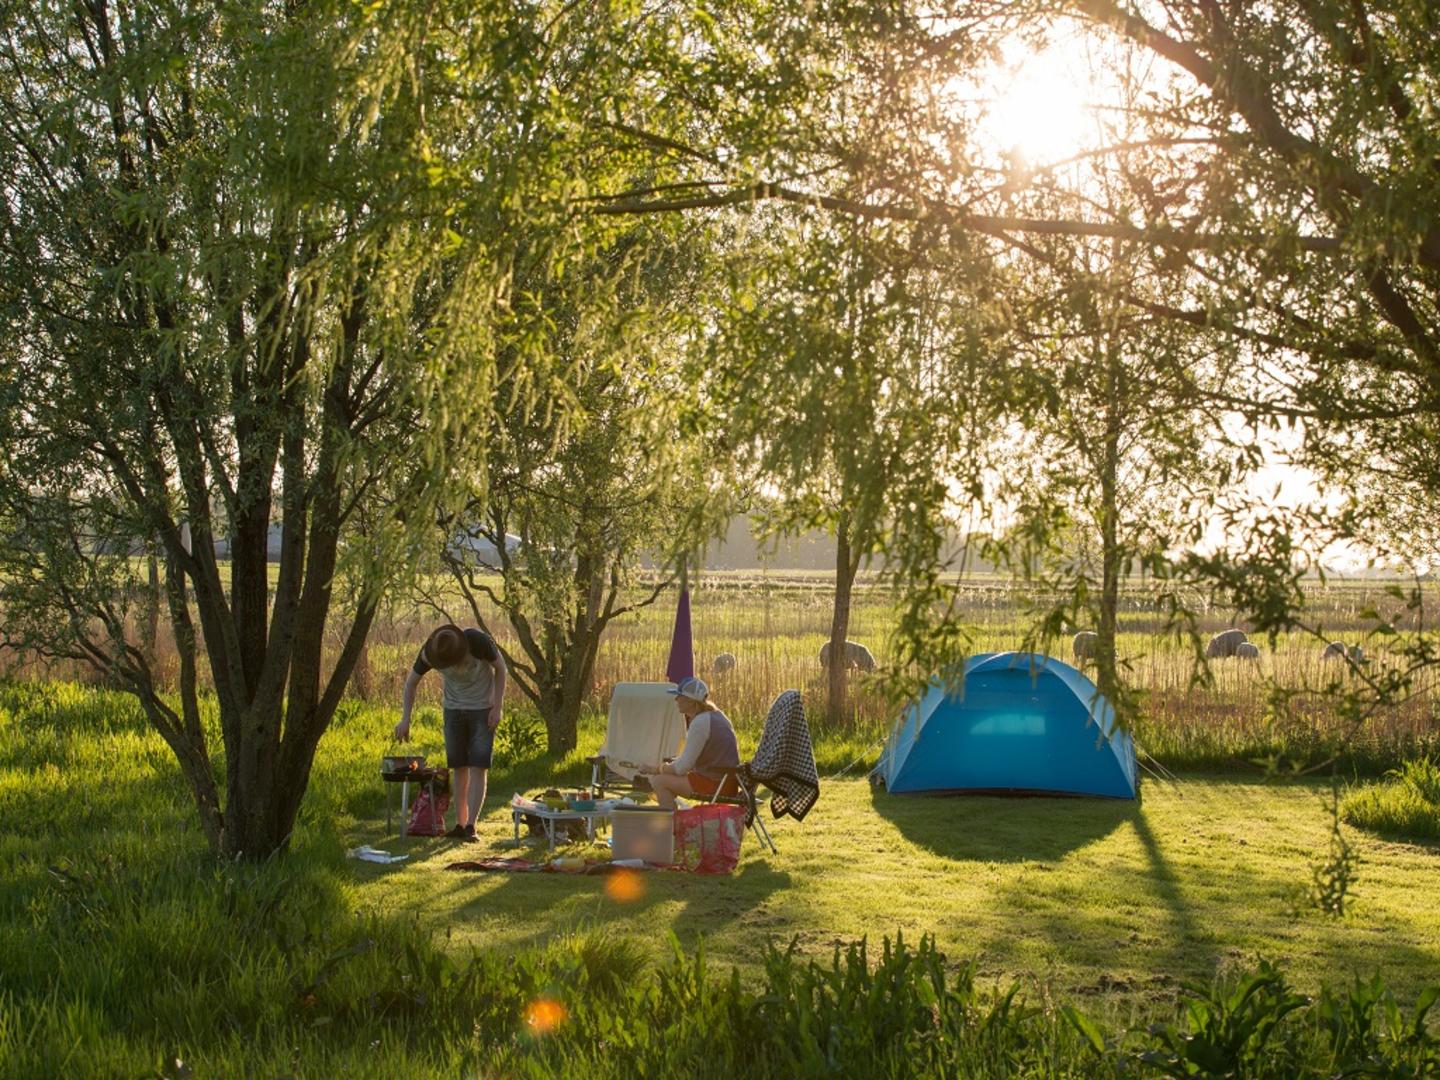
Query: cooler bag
(707,838)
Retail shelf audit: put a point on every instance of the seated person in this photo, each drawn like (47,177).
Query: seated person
(710,748)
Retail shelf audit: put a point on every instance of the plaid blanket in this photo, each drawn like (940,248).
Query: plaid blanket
(784,761)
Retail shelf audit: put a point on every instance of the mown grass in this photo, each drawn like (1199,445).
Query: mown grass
(127,948)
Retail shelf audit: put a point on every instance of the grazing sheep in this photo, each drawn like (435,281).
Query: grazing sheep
(1247,651)
(856,656)
(723,663)
(1338,650)
(1084,645)
(1225,644)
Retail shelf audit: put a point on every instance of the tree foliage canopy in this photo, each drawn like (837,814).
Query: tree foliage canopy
(299,267)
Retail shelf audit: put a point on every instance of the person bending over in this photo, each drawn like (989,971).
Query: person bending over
(473,672)
(710,748)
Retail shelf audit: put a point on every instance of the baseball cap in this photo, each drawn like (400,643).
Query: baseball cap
(693,688)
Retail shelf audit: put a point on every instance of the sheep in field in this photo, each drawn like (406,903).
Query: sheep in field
(1247,651)
(723,663)
(1338,650)
(1225,644)
(856,656)
(1084,645)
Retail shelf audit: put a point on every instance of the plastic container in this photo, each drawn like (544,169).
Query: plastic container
(643,832)
(581,804)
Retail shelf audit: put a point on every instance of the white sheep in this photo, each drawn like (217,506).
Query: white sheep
(1225,644)
(856,656)
(1084,644)
(1338,650)
(1247,651)
(723,663)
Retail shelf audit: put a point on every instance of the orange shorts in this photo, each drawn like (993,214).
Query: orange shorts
(703,785)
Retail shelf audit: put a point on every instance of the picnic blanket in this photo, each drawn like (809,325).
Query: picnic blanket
(517,865)
(498,863)
(784,761)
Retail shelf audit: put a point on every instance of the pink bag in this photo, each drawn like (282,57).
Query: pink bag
(422,822)
(707,838)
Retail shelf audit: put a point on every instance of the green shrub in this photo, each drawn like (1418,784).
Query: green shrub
(1405,804)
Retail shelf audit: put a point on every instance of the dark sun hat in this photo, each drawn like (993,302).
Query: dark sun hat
(446,646)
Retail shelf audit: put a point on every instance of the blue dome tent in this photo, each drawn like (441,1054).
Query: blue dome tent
(1016,722)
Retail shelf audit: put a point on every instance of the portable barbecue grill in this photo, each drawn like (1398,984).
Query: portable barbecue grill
(403,769)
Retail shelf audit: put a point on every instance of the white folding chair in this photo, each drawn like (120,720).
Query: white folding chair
(644,728)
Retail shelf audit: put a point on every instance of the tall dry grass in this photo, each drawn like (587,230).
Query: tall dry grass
(776,624)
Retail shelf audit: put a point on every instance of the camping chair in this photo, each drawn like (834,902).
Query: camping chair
(744,796)
(643,730)
(784,762)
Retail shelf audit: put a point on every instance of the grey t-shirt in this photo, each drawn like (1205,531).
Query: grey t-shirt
(470,684)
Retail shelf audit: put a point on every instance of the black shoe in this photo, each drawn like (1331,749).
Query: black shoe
(469,837)
(459,832)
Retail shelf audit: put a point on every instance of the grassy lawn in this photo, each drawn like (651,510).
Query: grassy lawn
(124,941)
(1119,902)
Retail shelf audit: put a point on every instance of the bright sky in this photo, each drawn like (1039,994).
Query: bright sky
(1036,108)
(1039,103)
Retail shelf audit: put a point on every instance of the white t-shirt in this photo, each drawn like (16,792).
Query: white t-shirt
(696,735)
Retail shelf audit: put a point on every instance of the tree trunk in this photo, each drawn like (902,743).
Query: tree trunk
(150,613)
(560,709)
(846,566)
(1110,555)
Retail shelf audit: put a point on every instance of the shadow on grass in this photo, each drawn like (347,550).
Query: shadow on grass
(991,828)
(690,903)
(559,903)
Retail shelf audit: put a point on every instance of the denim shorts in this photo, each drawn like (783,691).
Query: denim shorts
(469,741)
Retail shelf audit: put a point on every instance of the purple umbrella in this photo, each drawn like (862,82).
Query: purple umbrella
(682,649)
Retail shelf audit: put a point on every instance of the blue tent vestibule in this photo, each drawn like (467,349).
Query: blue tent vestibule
(1014,722)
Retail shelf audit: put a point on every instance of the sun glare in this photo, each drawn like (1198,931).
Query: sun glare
(1037,108)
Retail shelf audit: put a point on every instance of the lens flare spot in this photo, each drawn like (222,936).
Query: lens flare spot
(544,1015)
(624,886)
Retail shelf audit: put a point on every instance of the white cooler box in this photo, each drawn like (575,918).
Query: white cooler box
(643,832)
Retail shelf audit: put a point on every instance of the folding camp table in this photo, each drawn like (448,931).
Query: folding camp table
(550,817)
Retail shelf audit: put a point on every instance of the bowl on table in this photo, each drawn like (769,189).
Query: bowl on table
(581,804)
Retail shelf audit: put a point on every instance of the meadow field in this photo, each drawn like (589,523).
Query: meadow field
(129,951)
(775,625)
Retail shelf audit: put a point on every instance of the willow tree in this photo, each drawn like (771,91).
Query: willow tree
(1113,459)
(240,293)
(571,510)
(1286,177)
(843,378)
(1281,169)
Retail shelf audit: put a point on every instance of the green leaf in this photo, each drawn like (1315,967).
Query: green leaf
(1086,1027)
